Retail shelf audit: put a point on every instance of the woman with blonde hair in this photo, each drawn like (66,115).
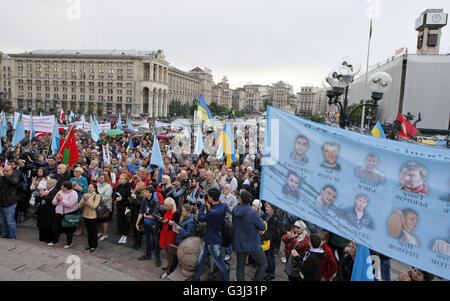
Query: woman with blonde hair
(165,185)
(90,201)
(106,193)
(108,168)
(167,236)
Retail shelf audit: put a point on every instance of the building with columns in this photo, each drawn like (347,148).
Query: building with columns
(183,86)
(312,101)
(222,94)
(280,94)
(238,99)
(206,82)
(108,82)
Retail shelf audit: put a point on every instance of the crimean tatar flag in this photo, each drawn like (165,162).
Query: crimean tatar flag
(203,112)
(378,131)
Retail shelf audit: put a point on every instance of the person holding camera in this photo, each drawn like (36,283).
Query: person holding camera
(149,211)
(213,213)
(195,196)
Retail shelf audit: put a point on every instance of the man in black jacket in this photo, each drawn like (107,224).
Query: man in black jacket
(8,201)
(310,263)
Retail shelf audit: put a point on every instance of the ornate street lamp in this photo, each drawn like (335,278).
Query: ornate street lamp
(337,83)
(379,83)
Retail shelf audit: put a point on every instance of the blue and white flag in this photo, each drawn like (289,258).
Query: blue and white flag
(198,142)
(219,153)
(32,132)
(95,131)
(3,130)
(82,118)
(119,122)
(19,132)
(4,123)
(55,138)
(156,157)
(129,125)
(362,268)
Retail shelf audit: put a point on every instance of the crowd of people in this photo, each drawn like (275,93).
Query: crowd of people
(193,195)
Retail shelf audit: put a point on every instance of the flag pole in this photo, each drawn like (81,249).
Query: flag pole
(65,141)
(366,78)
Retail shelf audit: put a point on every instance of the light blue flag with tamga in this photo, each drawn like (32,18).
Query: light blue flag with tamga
(55,138)
(32,132)
(156,157)
(362,268)
(19,132)
(119,122)
(198,142)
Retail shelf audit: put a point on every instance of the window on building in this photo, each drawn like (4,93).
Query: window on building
(432,40)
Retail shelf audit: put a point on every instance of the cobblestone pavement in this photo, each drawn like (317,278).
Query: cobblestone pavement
(29,259)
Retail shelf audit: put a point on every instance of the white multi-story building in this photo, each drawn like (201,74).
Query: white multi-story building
(312,100)
(222,94)
(98,81)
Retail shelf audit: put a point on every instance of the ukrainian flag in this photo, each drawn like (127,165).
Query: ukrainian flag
(203,112)
(226,138)
(130,145)
(377,131)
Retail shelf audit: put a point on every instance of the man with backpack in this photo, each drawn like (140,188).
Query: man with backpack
(149,208)
(213,213)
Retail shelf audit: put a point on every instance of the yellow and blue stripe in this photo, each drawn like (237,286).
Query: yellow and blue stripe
(203,112)
(378,131)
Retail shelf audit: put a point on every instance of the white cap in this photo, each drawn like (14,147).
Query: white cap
(300,224)
(256,203)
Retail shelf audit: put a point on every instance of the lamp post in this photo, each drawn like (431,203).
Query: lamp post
(379,83)
(337,83)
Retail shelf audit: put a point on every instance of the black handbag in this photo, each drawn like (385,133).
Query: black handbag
(102,211)
(291,268)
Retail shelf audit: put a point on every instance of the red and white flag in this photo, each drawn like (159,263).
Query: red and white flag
(398,51)
(62,116)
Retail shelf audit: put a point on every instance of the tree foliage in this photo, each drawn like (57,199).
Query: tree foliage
(370,114)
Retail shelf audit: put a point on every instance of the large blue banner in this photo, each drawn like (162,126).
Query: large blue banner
(390,196)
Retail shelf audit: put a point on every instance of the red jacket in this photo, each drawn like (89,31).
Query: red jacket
(289,244)
(160,196)
(329,266)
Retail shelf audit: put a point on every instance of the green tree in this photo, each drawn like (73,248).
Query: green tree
(317,118)
(267,103)
(370,114)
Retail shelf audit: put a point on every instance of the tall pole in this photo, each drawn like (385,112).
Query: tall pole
(366,92)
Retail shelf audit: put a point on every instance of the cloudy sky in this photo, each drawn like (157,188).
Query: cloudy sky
(257,41)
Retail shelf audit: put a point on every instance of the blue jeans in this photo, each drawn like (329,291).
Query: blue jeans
(151,237)
(216,252)
(385,266)
(271,260)
(7,221)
